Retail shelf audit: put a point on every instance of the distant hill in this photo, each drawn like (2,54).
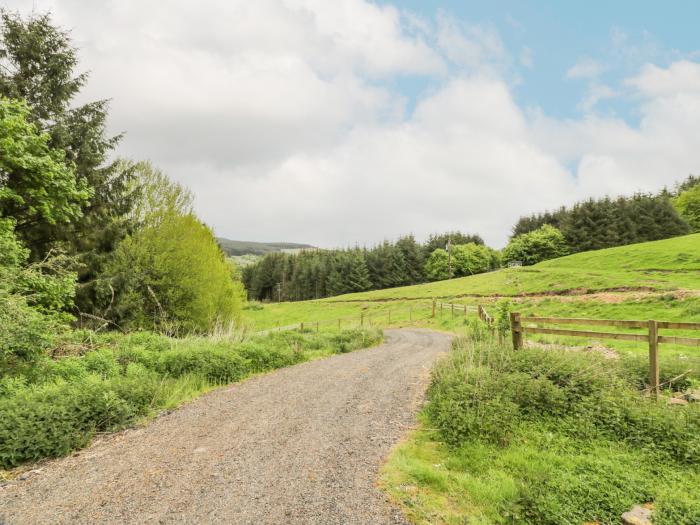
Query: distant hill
(234,248)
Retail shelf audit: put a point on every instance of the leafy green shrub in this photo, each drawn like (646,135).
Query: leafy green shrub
(502,319)
(52,407)
(261,358)
(173,275)
(671,433)
(581,394)
(25,334)
(541,244)
(572,429)
(349,340)
(688,206)
(674,373)
(216,365)
(590,487)
(473,410)
(57,418)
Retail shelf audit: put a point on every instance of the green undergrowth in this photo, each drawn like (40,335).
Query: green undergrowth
(546,437)
(54,406)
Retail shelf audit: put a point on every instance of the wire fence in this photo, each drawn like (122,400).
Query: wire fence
(367,318)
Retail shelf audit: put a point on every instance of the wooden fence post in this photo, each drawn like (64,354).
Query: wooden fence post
(389,316)
(362,319)
(338,324)
(440,310)
(301,326)
(480,312)
(434,308)
(515,328)
(465,310)
(654,357)
(453,310)
(410,313)
(316,326)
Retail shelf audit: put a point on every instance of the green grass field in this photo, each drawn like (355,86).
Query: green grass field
(656,280)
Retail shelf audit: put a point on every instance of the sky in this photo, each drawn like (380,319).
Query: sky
(344,122)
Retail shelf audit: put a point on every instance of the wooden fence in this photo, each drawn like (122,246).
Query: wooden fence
(369,318)
(365,318)
(519,327)
(452,308)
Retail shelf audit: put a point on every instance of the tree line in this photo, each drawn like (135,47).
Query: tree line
(588,225)
(87,237)
(603,223)
(313,274)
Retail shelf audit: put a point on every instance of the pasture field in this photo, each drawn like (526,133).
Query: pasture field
(655,280)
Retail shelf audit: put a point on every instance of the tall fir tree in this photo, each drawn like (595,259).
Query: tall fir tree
(39,66)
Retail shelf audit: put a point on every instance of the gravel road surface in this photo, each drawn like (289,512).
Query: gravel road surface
(302,445)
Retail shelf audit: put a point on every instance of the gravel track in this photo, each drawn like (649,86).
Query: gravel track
(302,445)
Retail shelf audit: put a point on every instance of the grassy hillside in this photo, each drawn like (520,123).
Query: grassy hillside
(659,279)
(234,248)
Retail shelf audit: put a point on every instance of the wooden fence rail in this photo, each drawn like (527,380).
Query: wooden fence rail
(519,327)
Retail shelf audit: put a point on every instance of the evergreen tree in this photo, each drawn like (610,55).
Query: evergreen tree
(414,260)
(533,222)
(358,276)
(436,240)
(39,66)
(335,283)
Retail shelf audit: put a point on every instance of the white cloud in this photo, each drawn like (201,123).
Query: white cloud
(474,47)
(596,92)
(285,119)
(614,157)
(585,68)
(682,77)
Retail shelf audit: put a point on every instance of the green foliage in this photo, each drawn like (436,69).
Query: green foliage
(358,276)
(36,186)
(502,317)
(472,258)
(56,406)
(437,265)
(313,274)
(688,206)
(57,418)
(39,66)
(604,223)
(441,240)
(158,196)
(539,245)
(25,334)
(578,440)
(31,301)
(173,276)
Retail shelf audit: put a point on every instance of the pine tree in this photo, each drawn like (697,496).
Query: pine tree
(413,257)
(358,276)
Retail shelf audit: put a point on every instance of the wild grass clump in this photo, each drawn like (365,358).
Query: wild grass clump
(549,437)
(55,406)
